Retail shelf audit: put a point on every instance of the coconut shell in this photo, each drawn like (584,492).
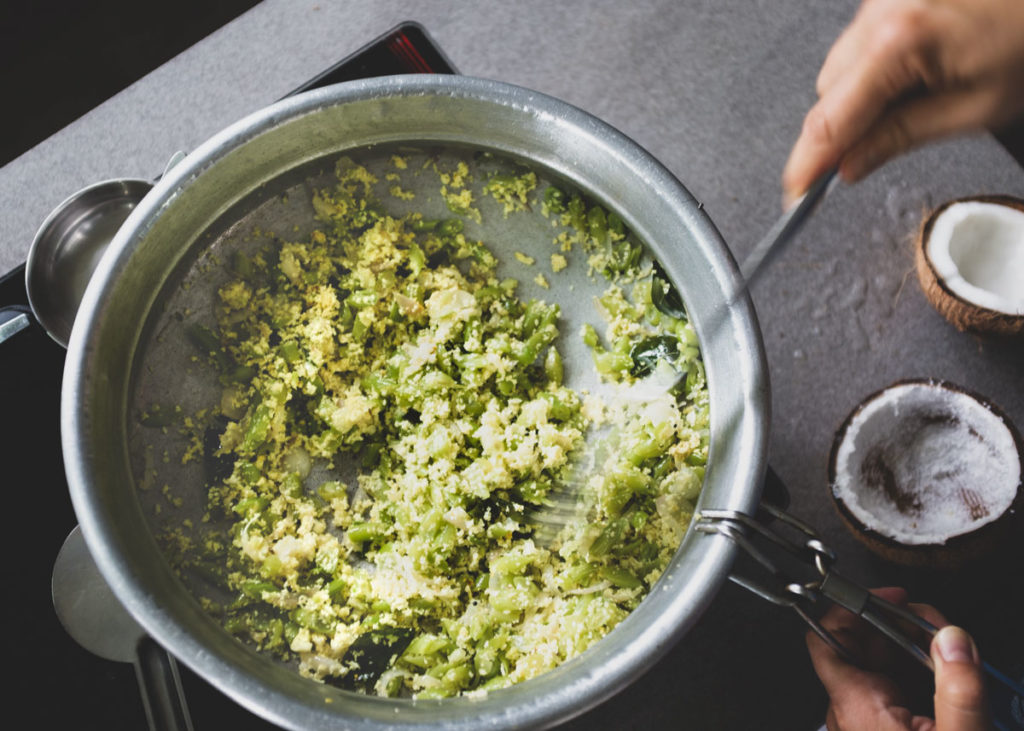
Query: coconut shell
(965,316)
(954,554)
(957,552)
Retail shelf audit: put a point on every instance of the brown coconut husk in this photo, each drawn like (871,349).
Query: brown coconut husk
(964,315)
(958,551)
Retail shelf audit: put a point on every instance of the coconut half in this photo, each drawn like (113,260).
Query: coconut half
(970,263)
(926,473)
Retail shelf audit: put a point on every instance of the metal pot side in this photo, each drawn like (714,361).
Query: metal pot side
(168,225)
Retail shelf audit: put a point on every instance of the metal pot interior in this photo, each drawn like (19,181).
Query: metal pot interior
(128,350)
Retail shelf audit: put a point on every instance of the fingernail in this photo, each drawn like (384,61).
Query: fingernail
(955,645)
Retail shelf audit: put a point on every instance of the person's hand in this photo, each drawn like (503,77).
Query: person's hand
(905,72)
(870,698)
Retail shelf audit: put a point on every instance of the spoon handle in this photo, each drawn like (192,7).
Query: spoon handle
(160,687)
(788,224)
(12,321)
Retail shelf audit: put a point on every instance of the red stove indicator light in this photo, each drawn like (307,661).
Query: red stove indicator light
(400,46)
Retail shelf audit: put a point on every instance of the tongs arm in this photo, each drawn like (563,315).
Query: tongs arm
(825,584)
(880,613)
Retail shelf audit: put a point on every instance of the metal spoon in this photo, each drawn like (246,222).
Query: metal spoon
(784,229)
(68,246)
(66,249)
(96,620)
(563,504)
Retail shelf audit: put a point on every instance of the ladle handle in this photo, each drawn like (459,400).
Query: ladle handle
(13,320)
(160,685)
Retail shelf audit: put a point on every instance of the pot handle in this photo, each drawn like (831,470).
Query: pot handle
(160,686)
(775,491)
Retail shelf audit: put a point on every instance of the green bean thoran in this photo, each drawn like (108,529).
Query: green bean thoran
(390,341)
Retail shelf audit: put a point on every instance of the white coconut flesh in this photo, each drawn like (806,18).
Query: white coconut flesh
(977,250)
(921,463)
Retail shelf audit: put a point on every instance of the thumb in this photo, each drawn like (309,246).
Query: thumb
(960,703)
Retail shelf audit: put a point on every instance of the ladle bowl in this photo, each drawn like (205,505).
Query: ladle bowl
(68,247)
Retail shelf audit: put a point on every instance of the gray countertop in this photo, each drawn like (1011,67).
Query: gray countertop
(715,89)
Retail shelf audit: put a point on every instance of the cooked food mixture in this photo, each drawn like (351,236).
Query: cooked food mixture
(498,522)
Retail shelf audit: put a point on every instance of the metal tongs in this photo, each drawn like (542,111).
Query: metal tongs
(826,585)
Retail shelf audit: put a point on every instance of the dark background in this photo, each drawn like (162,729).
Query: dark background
(58,60)
(61,58)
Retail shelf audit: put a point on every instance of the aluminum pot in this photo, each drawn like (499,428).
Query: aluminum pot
(198,200)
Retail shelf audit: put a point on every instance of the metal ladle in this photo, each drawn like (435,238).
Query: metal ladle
(96,620)
(61,260)
(68,246)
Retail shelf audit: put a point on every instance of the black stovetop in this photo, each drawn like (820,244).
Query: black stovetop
(52,682)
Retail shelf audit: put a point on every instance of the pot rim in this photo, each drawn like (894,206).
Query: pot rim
(674,604)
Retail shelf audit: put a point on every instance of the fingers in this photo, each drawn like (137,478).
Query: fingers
(855,635)
(863,699)
(929,613)
(894,594)
(915,122)
(884,54)
(905,72)
(847,49)
(847,685)
(960,703)
(839,677)
(832,126)
(874,63)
